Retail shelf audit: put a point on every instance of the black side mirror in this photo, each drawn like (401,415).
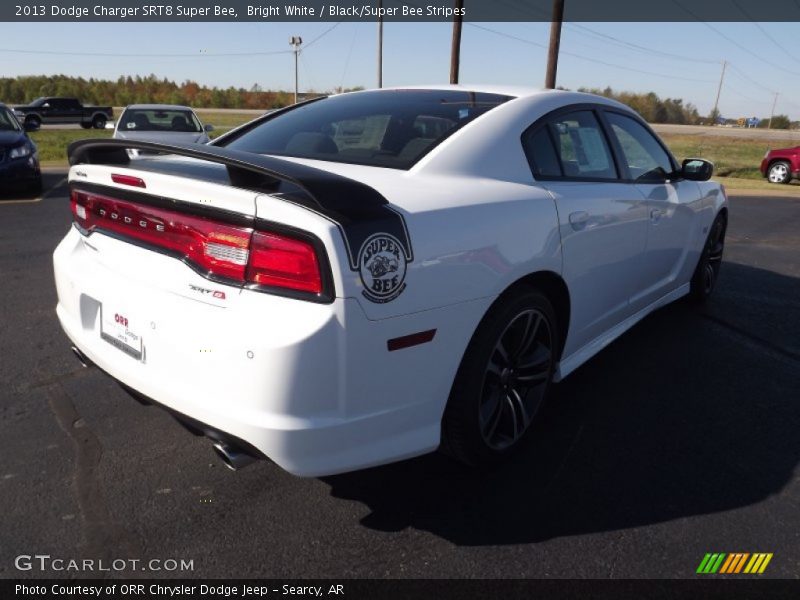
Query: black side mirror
(30,125)
(696,169)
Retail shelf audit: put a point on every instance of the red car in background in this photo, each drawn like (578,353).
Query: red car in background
(779,166)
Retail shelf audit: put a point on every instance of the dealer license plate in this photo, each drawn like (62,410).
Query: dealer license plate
(118,330)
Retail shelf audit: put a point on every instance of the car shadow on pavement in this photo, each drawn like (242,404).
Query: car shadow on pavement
(53,182)
(694,411)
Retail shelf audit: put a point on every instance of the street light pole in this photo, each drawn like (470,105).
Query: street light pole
(295,42)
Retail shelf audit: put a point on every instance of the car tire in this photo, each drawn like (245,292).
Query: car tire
(708,267)
(503,379)
(779,172)
(99,122)
(33,121)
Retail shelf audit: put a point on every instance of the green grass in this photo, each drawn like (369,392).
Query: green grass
(732,157)
(225,119)
(736,160)
(52,143)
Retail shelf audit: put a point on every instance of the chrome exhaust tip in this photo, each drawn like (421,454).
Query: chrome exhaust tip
(233,458)
(81,357)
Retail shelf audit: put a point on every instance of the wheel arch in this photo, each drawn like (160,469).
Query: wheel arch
(553,286)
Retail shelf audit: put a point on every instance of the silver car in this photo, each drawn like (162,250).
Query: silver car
(162,123)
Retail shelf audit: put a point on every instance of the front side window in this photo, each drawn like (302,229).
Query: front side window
(381,128)
(581,146)
(646,158)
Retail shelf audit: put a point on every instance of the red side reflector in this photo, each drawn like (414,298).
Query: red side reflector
(415,339)
(128,180)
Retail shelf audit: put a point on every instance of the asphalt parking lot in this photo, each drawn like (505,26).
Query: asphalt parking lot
(679,439)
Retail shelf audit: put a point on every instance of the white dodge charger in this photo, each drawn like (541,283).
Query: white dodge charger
(367,277)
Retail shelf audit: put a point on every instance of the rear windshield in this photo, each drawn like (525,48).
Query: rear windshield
(381,128)
(135,119)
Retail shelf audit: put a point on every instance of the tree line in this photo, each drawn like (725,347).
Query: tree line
(151,89)
(139,90)
(653,108)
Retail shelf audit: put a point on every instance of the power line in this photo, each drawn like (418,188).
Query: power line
(200,54)
(734,42)
(764,31)
(729,88)
(349,54)
(322,35)
(613,40)
(747,77)
(586,58)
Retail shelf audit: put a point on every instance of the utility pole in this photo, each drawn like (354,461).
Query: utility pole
(772,114)
(295,42)
(715,112)
(555,44)
(455,49)
(380,45)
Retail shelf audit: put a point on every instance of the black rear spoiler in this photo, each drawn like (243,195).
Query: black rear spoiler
(359,210)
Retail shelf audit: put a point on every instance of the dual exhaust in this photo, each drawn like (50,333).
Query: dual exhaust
(232,456)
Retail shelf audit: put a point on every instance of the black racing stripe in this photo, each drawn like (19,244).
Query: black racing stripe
(358,210)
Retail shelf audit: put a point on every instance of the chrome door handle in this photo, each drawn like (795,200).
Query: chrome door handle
(655,214)
(578,219)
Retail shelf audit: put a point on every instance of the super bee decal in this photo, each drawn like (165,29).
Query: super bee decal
(382,266)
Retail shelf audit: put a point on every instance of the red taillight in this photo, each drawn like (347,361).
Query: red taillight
(284,262)
(216,249)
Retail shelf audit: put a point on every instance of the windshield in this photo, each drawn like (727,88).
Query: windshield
(177,120)
(381,128)
(38,102)
(8,122)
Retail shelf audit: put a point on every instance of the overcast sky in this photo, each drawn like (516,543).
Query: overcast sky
(679,60)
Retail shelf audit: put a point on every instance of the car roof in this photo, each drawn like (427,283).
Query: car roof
(158,107)
(516,91)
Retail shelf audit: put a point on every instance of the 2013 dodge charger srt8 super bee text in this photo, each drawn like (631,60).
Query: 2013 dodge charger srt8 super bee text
(366,277)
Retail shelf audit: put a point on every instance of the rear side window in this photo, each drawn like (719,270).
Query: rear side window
(581,146)
(541,153)
(392,128)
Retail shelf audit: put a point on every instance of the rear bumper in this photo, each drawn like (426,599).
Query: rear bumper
(311,386)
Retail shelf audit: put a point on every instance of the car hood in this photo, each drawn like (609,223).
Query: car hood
(11,138)
(162,137)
